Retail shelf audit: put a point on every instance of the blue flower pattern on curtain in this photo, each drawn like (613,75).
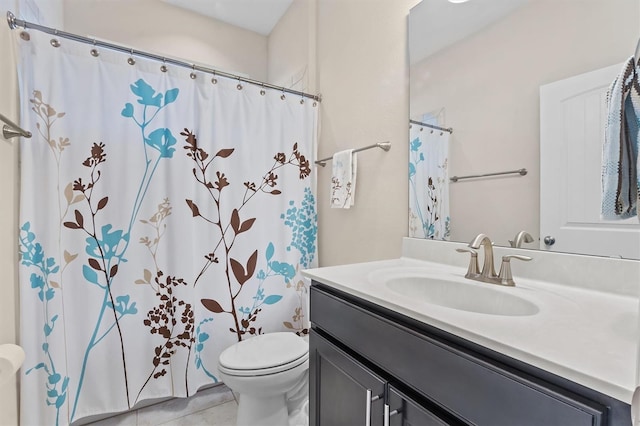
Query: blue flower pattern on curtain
(156,308)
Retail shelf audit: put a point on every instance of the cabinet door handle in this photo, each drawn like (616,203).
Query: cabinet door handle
(387,414)
(367,414)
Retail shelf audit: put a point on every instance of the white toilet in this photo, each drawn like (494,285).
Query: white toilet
(270,373)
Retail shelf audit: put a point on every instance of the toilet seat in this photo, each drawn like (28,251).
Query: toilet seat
(264,371)
(264,354)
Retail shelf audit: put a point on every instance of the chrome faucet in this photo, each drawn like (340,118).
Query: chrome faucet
(488,273)
(522,236)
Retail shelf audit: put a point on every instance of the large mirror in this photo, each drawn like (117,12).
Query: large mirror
(481,68)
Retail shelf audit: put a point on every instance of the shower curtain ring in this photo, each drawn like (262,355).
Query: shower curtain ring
(214,80)
(301,99)
(163,67)
(262,91)
(193,72)
(283,97)
(131,61)
(54,42)
(239,86)
(94,51)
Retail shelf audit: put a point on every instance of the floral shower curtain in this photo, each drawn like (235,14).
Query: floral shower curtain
(428,182)
(164,216)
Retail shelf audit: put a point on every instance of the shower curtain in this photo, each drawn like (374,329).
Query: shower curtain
(164,215)
(428,182)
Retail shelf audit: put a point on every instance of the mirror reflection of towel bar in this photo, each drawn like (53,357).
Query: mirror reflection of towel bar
(386,146)
(521,172)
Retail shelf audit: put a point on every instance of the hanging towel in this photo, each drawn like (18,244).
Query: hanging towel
(343,179)
(620,150)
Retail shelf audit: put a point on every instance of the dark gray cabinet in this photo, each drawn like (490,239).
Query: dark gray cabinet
(429,376)
(346,393)
(403,410)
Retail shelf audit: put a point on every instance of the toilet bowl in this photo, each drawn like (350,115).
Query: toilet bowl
(270,373)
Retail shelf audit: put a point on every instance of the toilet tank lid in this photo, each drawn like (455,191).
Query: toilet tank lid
(264,351)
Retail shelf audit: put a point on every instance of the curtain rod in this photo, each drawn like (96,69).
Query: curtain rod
(432,126)
(385,146)
(15,22)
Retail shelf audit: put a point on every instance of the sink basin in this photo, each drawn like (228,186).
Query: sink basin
(471,297)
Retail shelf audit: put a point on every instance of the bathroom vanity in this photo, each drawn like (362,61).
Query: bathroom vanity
(384,356)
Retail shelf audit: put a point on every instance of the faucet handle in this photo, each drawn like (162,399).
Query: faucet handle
(522,236)
(505,276)
(473,269)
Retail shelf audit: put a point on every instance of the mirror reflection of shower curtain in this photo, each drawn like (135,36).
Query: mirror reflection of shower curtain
(428,183)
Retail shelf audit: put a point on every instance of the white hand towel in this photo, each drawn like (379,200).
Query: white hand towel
(343,179)
(620,149)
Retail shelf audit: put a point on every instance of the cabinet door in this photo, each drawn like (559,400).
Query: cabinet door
(404,411)
(342,391)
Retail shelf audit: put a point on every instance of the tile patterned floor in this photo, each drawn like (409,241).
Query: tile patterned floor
(214,406)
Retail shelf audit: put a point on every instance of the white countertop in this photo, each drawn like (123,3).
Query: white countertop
(584,335)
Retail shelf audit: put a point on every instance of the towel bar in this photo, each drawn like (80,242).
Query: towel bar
(386,146)
(11,129)
(521,172)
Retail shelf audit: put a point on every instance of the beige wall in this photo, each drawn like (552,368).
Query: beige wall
(363,78)
(357,60)
(291,48)
(158,27)
(489,88)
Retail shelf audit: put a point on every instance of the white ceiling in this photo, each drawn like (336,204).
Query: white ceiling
(433,24)
(259,16)
(436,24)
